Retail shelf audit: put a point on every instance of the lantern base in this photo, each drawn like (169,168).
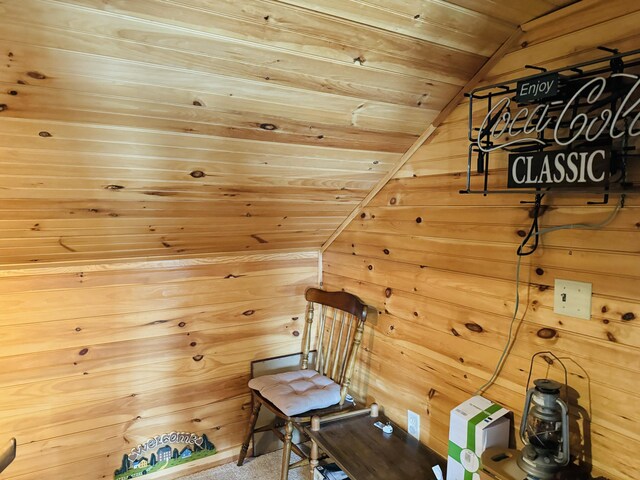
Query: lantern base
(539,464)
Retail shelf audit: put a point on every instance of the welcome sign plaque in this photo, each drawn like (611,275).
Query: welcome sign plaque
(162,452)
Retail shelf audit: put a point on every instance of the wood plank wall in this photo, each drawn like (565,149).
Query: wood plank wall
(440,269)
(95,360)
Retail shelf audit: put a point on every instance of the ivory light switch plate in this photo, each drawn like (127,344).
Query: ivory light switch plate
(572,298)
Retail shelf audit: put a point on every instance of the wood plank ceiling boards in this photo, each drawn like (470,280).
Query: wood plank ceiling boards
(188,127)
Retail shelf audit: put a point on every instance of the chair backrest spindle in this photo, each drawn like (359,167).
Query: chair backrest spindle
(321,327)
(347,346)
(329,347)
(337,360)
(306,346)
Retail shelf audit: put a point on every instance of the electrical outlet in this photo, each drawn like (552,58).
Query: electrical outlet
(572,298)
(413,424)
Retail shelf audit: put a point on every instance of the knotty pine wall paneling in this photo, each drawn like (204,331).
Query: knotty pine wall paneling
(440,269)
(97,359)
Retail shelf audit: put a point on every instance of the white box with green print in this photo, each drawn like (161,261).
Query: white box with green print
(475,425)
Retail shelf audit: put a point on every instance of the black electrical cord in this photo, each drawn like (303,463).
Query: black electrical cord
(510,337)
(533,231)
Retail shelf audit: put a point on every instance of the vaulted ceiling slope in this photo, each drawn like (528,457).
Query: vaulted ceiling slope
(179,127)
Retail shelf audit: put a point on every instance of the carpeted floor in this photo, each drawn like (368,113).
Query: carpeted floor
(264,467)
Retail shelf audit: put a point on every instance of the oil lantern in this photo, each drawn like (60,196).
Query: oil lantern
(544,430)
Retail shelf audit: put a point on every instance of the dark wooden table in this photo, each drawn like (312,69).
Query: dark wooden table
(364,452)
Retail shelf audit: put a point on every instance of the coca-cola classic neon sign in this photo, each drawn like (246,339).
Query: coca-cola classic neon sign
(582,127)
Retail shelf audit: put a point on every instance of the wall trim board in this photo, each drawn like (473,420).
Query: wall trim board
(157,262)
(424,138)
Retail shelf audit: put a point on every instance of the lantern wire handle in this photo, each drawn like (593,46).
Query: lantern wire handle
(566,374)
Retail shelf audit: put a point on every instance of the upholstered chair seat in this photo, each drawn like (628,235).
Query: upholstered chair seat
(298,391)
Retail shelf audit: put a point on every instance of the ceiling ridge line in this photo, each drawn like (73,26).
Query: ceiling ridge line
(428,133)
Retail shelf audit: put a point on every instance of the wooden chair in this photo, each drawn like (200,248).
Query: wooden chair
(295,397)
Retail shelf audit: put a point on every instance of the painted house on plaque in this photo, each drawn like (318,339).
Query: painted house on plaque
(142,463)
(164,453)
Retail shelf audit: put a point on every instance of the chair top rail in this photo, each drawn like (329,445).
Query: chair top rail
(340,300)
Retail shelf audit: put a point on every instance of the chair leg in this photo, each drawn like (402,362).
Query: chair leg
(286,450)
(252,425)
(313,461)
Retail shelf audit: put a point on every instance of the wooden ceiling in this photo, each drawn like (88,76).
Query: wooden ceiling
(138,128)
